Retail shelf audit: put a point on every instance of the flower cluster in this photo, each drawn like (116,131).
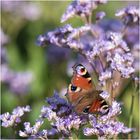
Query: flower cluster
(13,119)
(107,126)
(81,8)
(108,50)
(107,129)
(62,117)
(129,15)
(18,82)
(63,120)
(30,131)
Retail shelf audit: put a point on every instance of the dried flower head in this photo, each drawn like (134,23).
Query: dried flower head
(57,37)
(129,15)
(81,8)
(100,15)
(15,118)
(29,131)
(107,126)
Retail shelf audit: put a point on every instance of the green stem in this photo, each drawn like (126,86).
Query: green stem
(131,109)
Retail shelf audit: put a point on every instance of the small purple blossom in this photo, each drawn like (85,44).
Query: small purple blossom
(114,37)
(105,95)
(57,37)
(108,130)
(122,62)
(4,37)
(15,118)
(20,82)
(46,112)
(129,15)
(136,51)
(17,82)
(59,105)
(105,75)
(29,131)
(81,8)
(100,15)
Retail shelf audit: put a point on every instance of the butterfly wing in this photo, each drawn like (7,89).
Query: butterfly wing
(82,94)
(79,81)
(81,77)
(92,102)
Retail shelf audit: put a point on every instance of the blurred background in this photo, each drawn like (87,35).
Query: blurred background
(30,73)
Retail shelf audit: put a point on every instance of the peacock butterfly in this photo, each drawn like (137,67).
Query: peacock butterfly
(82,93)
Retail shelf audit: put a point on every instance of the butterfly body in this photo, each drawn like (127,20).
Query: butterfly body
(82,93)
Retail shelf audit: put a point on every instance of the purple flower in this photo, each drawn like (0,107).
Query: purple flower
(129,14)
(108,130)
(62,115)
(22,9)
(81,8)
(107,126)
(78,32)
(17,82)
(20,82)
(6,74)
(29,131)
(63,119)
(57,37)
(105,95)
(100,15)
(15,118)
(4,37)
(105,76)
(59,105)
(46,112)
(122,62)
(114,37)
(136,52)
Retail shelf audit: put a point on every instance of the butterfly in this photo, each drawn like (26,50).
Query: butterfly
(82,94)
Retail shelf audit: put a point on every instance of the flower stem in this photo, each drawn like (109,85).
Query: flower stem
(131,108)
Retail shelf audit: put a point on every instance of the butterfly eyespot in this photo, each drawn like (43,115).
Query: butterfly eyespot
(81,70)
(86,110)
(104,109)
(73,88)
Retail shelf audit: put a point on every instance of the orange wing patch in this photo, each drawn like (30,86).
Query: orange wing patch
(84,83)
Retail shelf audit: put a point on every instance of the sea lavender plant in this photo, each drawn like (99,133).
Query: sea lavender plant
(107,51)
(13,119)
(109,54)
